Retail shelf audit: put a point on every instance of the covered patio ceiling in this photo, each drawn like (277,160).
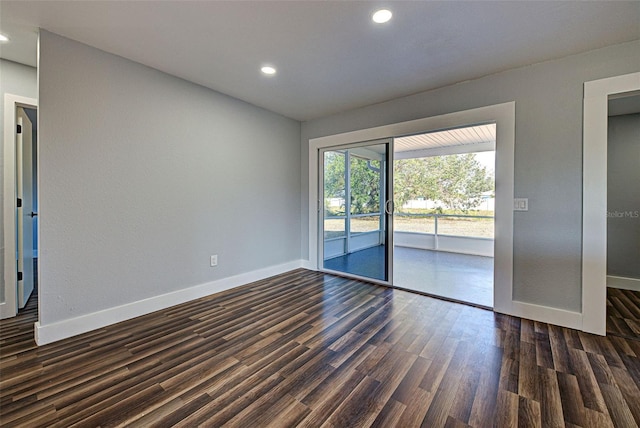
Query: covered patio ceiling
(460,140)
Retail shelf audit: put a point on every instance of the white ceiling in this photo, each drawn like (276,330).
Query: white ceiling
(330,56)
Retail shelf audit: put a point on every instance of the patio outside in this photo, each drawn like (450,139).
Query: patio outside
(443,222)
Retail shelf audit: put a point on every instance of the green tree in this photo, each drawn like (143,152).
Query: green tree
(457,181)
(334,178)
(365,181)
(412,179)
(365,186)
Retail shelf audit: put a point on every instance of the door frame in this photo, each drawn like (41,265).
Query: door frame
(387,174)
(504,117)
(9,307)
(594,196)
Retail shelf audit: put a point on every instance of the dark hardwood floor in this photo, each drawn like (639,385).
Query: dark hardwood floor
(623,313)
(308,349)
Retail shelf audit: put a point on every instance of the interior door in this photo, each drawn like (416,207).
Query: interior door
(25,214)
(356,221)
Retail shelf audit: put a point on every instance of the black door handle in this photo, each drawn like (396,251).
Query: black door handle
(33,214)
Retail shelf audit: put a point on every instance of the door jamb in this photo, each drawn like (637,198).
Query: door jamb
(9,307)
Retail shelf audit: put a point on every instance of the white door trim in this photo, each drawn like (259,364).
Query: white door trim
(504,116)
(9,307)
(594,196)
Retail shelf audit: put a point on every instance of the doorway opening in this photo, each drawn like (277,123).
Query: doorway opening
(20,206)
(623,216)
(444,194)
(415,212)
(26,204)
(597,95)
(503,115)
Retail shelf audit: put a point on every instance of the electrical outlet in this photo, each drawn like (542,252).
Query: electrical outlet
(214,260)
(521,204)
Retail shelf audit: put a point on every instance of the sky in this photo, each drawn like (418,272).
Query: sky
(488,160)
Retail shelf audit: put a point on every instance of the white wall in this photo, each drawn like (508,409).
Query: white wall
(15,79)
(548,158)
(143,176)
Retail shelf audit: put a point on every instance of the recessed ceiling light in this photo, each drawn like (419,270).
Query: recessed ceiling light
(381,16)
(268,70)
(3,38)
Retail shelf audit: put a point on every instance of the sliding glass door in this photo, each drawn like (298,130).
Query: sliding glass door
(356,210)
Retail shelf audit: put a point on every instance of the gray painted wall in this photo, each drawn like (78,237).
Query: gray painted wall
(623,196)
(548,158)
(15,79)
(144,176)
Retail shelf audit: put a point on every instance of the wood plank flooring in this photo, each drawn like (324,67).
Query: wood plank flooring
(623,313)
(307,349)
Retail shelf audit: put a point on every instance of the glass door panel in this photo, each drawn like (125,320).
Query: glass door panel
(356,210)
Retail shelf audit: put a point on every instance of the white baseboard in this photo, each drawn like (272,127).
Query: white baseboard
(623,283)
(545,314)
(71,327)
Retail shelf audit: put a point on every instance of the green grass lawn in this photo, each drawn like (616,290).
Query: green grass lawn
(456,226)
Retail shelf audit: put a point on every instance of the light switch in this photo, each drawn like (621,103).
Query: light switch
(521,204)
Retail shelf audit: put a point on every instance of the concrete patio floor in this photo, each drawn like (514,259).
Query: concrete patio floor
(460,277)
